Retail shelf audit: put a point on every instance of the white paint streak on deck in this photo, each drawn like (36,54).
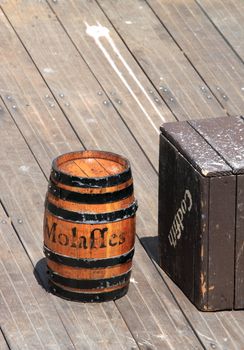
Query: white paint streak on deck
(97,32)
(24,168)
(48,70)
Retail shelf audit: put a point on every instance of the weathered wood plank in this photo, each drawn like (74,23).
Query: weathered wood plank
(43,125)
(160,58)
(66,72)
(28,317)
(151,313)
(217,330)
(227,17)
(205,48)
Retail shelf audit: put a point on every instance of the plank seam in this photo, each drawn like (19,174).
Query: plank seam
(4,208)
(12,117)
(127,325)
(36,274)
(16,231)
(50,90)
(187,58)
(120,36)
(173,296)
(4,337)
(61,320)
(12,224)
(101,86)
(219,31)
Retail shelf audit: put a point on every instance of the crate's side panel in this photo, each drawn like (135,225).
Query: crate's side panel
(166,200)
(202,248)
(168,158)
(239,256)
(221,242)
(180,198)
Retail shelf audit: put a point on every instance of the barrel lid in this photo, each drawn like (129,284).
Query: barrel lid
(213,146)
(90,168)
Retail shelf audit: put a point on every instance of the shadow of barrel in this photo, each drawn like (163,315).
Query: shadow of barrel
(40,273)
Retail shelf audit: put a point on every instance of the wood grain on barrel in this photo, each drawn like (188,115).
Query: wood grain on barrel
(94,240)
(91,167)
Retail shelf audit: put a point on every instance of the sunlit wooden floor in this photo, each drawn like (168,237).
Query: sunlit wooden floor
(105,75)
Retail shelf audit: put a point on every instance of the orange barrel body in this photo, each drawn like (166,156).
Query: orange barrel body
(89,226)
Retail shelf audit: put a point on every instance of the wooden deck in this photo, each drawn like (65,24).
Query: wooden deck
(104,75)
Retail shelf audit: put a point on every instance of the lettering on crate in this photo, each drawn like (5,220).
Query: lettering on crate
(177,226)
(98,237)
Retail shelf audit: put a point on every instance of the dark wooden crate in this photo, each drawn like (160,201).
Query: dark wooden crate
(201,210)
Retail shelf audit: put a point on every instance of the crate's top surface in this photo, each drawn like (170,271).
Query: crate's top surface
(215,147)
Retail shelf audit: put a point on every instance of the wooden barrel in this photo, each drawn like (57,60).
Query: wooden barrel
(89,226)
